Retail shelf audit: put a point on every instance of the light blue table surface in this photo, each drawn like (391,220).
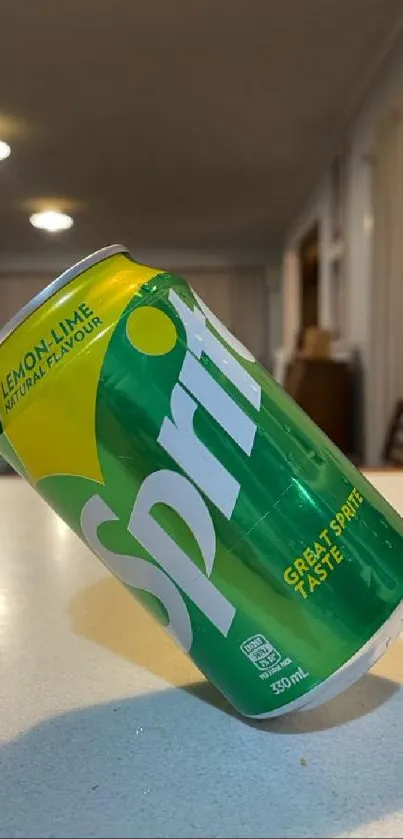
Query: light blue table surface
(107,730)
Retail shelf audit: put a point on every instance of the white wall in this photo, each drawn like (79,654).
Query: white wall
(385,94)
(17,289)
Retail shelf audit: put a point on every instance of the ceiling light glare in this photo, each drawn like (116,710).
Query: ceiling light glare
(52,221)
(5,150)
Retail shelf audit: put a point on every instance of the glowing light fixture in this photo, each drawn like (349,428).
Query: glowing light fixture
(5,150)
(52,221)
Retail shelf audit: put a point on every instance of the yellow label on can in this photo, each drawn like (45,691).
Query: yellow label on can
(47,400)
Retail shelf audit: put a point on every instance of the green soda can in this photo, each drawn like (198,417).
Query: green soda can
(200,484)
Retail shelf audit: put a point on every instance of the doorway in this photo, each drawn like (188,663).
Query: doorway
(309,278)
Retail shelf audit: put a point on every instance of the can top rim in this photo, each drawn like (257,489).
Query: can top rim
(56,284)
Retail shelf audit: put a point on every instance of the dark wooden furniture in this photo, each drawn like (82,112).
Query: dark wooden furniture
(322,388)
(393,449)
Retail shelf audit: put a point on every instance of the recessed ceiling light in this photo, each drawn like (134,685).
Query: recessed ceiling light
(5,150)
(51,220)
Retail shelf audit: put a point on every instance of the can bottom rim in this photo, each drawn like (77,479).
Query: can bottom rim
(348,673)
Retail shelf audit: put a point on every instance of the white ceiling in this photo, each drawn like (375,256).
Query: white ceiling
(176,123)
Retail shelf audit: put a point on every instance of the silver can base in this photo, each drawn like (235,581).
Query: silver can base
(349,673)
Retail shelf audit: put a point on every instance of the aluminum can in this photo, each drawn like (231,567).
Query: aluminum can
(200,484)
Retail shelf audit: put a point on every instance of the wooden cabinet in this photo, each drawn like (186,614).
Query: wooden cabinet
(322,388)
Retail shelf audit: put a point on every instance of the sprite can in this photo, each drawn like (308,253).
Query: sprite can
(200,484)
